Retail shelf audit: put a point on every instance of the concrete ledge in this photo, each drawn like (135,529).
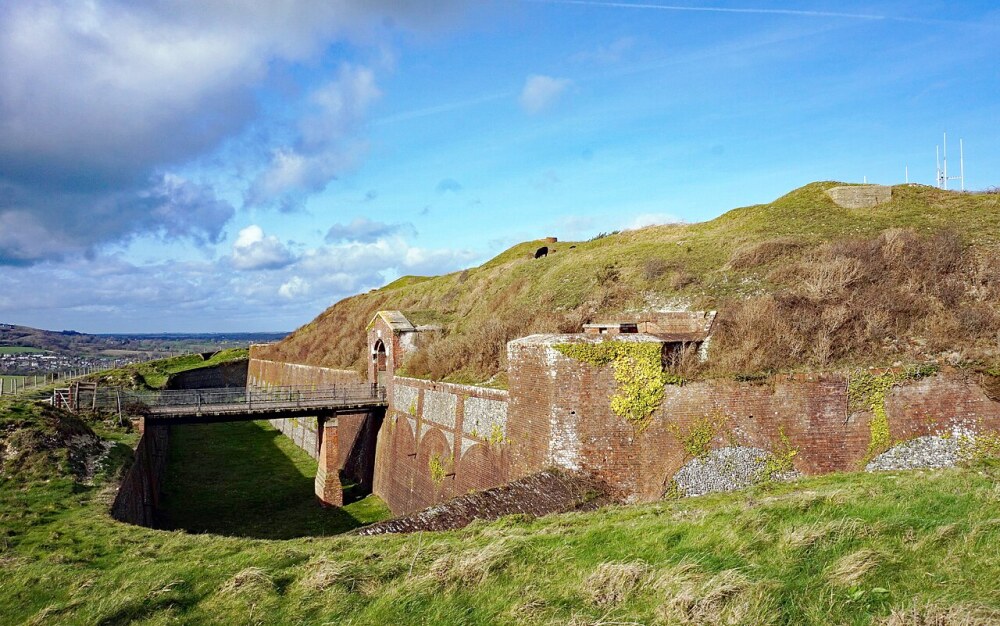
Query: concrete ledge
(860,196)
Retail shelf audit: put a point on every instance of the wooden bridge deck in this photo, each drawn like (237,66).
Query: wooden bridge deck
(227,404)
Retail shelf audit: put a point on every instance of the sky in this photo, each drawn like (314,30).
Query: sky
(207,166)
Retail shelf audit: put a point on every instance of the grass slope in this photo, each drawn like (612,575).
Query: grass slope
(899,548)
(248,480)
(803,250)
(155,374)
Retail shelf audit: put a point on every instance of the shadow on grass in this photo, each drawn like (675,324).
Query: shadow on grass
(246,479)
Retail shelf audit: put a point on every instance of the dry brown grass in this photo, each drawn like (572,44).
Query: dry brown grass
(934,615)
(896,296)
(852,568)
(728,597)
(250,581)
(763,252)
(471,567)
(611,583)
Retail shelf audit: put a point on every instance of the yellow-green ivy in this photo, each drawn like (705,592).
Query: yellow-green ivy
(867,391)
(638,369)
(696,439)
(437,468)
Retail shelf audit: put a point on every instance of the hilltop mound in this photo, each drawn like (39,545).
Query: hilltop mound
(801,282)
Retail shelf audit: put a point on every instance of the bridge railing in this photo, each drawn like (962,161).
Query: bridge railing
(234,398)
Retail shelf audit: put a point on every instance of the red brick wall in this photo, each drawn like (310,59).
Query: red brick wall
(560,415)
(408,441)
(266,373)
(557,413)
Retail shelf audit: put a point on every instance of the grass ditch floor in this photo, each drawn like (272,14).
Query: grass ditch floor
(892,548)
(248,480)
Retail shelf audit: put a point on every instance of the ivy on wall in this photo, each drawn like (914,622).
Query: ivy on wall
(638,370)
(867,391)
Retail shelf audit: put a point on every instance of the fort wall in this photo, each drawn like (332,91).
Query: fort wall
(138,498)
(438,441)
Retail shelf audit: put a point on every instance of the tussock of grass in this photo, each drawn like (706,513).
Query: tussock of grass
(850,569)
(471,567)
(943,616)
(611,583)
(252,581)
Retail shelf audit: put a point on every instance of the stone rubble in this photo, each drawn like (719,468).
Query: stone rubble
(726,469)
(928,452)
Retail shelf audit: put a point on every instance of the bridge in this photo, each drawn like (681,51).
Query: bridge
(228,404)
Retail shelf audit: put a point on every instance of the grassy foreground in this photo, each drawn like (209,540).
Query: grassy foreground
(248,480)
(907,548)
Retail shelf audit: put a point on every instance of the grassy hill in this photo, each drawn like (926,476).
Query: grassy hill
(890,549)
(799,283)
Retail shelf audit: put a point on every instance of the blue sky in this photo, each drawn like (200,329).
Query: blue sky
(206,166)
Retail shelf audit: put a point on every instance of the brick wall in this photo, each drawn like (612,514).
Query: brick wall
(561,416)
(461,429)
(138,497)
(264,373)
(440,440)
(224,375)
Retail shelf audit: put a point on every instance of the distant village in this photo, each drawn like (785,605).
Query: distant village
(36,364)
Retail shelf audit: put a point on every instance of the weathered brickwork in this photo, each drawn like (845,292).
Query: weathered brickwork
(560,415)
(440,440)
(138,498)
(303,431)
(426,455)
(263,373)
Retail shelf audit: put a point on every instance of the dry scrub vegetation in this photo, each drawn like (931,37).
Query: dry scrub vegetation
(897,296)
(798,283)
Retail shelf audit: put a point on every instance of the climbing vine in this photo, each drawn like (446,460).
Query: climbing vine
(438,469)
(781,459)
(696,439)
(867,391)
(638,370)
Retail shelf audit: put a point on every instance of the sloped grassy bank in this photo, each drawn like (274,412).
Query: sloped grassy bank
(901,548)
(798,283)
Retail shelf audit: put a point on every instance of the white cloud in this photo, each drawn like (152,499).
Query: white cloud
(541,92)
(252,250)
(294,288)
(365,230)
(99,99)
(326,142)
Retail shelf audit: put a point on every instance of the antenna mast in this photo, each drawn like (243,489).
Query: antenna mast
(942,172)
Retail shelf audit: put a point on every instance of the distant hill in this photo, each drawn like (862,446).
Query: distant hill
(799,283)
(75,343)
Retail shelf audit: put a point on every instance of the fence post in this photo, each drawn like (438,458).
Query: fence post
(118,397)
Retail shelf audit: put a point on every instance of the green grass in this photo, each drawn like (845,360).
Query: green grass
(20,350)
(247,479)
(841,549)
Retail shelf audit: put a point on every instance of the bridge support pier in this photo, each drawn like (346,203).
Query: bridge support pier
(328,487)
(346,448)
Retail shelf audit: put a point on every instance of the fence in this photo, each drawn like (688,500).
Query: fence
(219,400)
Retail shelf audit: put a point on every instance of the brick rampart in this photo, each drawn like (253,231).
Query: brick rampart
(561,416)
(439,440)
(264,373)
